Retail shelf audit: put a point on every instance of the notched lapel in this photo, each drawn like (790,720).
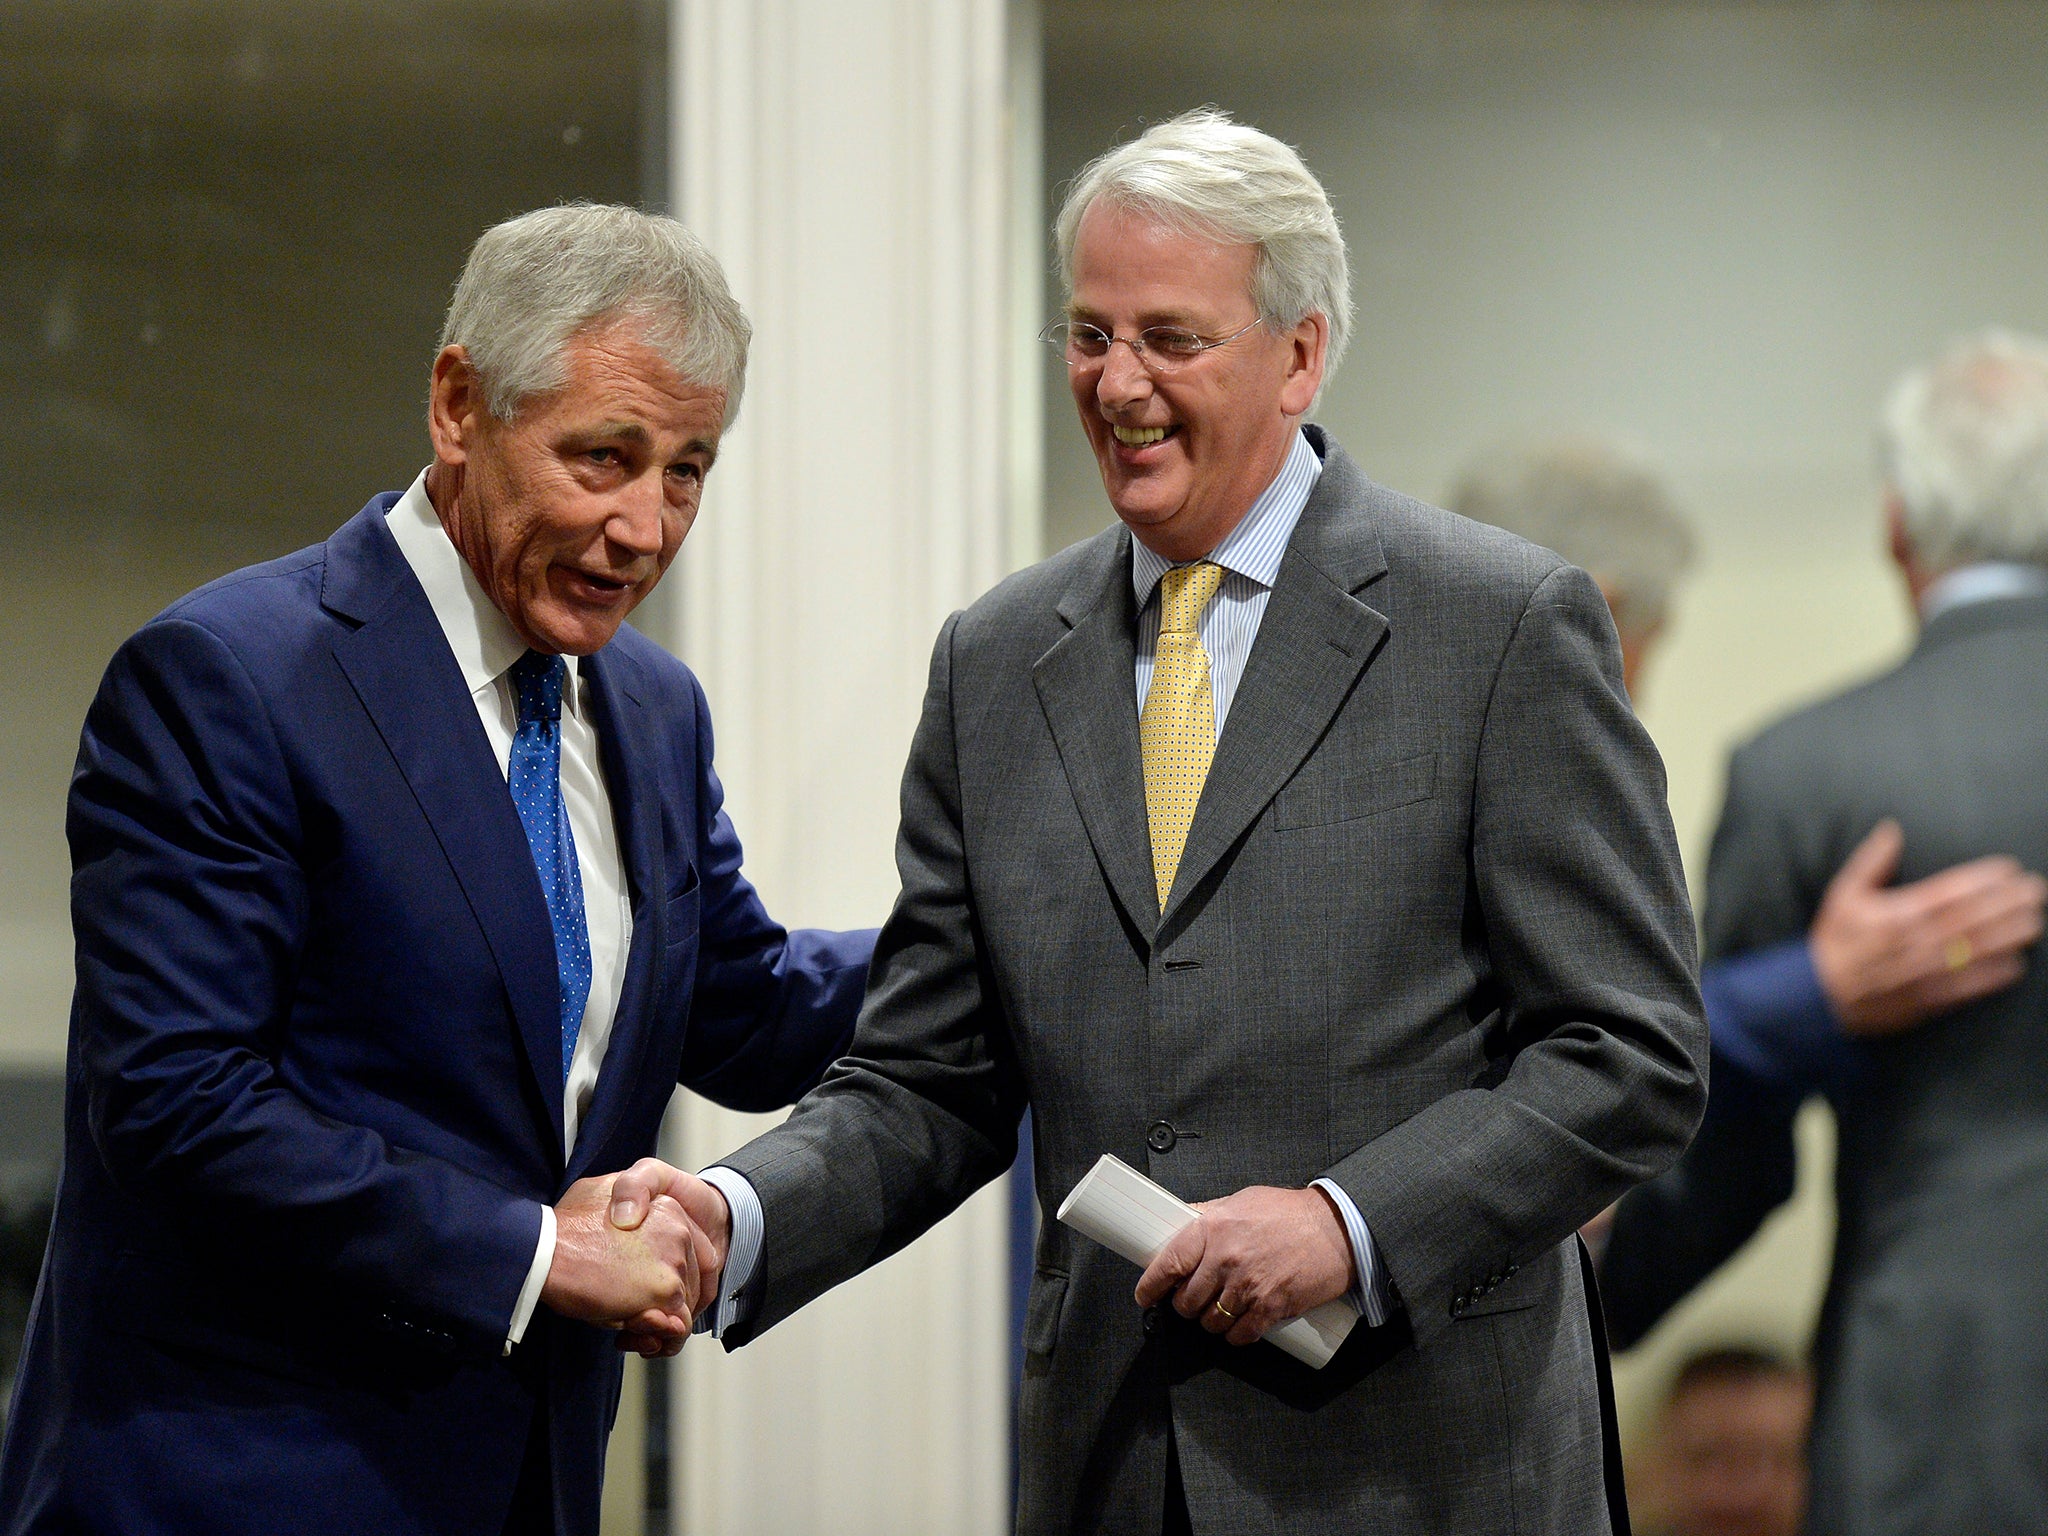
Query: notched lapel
(633,765)
(1314,643)
(1086,686)
(401,669)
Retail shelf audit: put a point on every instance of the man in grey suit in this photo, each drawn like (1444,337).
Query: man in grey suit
(1932,1360)
(1294,842)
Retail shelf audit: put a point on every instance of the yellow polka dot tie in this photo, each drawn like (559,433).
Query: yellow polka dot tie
(1177,731)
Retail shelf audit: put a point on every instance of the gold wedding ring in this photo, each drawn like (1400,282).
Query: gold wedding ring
(1958,953)
(1224,1310)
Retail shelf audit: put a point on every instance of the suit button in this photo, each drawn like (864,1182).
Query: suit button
(1161,1137)
(1151,1319)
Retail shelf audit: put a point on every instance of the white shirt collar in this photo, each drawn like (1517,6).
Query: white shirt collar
(1980,583)
(1253,548)
(483,639)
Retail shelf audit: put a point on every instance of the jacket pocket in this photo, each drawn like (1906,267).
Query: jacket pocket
(1042,1311)
(1356,792)
(680,913)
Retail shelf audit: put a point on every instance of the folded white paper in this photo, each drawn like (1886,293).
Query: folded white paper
(1131,1216)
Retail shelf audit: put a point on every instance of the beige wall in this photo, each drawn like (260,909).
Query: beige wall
(1715,230)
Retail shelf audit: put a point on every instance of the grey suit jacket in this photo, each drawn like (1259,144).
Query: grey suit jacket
(1933,1345)
(1428,937)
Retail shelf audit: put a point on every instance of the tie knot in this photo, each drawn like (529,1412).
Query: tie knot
(1184,592)
(538,680)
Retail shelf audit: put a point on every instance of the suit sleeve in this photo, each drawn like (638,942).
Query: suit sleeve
(1577,890)
(770,1009)
(190,909)
(1673,1232)
(1775,1041)
(923,1110)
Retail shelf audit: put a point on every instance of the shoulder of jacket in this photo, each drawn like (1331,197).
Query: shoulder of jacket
(1033,595)
(260,604)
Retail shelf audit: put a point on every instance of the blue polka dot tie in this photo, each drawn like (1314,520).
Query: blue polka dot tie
(535,770)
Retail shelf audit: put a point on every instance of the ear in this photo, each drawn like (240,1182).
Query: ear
(1898,543)
(1308,348)
(456,411)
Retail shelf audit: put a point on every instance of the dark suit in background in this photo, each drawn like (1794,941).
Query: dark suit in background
(315,1094)
(1932,1358)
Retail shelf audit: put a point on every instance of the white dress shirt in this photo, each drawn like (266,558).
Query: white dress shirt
(1250,556)
(485,646)
(1980,582)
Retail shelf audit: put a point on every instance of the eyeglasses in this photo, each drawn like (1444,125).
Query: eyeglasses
(1158,348)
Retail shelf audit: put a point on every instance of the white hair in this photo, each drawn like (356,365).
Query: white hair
(534,282)
(1595,504)
(1964,444)
(1204,174)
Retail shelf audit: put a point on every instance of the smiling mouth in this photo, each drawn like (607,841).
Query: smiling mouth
(1140,437)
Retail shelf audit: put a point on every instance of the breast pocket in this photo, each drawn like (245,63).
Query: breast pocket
(680,913)
(1355,793)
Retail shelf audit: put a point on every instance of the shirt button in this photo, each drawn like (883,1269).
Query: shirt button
(1161,1137)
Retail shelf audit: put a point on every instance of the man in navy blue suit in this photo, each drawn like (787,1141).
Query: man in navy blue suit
(403,898)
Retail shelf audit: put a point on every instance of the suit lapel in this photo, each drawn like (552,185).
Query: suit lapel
(1087,688)
(400,667)
(1313,643)
(632,769)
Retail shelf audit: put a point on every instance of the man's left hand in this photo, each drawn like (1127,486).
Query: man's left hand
(1262,1254)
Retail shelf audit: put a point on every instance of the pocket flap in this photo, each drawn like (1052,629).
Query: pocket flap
(1356,792)
(1042,1311)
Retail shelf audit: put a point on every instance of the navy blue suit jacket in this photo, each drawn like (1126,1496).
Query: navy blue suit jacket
(315,1085)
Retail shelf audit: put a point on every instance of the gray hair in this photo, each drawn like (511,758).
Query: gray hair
(1596,505)
(1964,443)
(1204,174)
(533,282)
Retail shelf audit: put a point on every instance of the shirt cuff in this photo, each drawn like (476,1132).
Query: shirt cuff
(1372,1294)
(742,1253)
(536,1278)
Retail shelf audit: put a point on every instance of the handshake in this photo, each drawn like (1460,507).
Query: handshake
(640,1252)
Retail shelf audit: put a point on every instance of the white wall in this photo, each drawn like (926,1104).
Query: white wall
(1713,229)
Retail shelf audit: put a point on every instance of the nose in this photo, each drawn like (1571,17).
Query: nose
(635,523)
(1123,379)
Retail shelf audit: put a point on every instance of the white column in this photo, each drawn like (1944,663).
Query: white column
(853,164)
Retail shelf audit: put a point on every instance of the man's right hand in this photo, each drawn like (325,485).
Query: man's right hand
(1889,956)
(636,1193)
(649,1276)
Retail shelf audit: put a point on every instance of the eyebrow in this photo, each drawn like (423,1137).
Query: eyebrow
(1179,317)
(639,436)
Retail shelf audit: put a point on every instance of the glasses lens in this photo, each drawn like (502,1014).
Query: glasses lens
(1088,341)
(1172,344)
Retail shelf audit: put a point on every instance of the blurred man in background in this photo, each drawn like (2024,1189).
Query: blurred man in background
(1932,1411)
(1728,1455)
(1878,957)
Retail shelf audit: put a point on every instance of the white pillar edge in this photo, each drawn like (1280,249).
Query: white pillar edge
(868,173)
